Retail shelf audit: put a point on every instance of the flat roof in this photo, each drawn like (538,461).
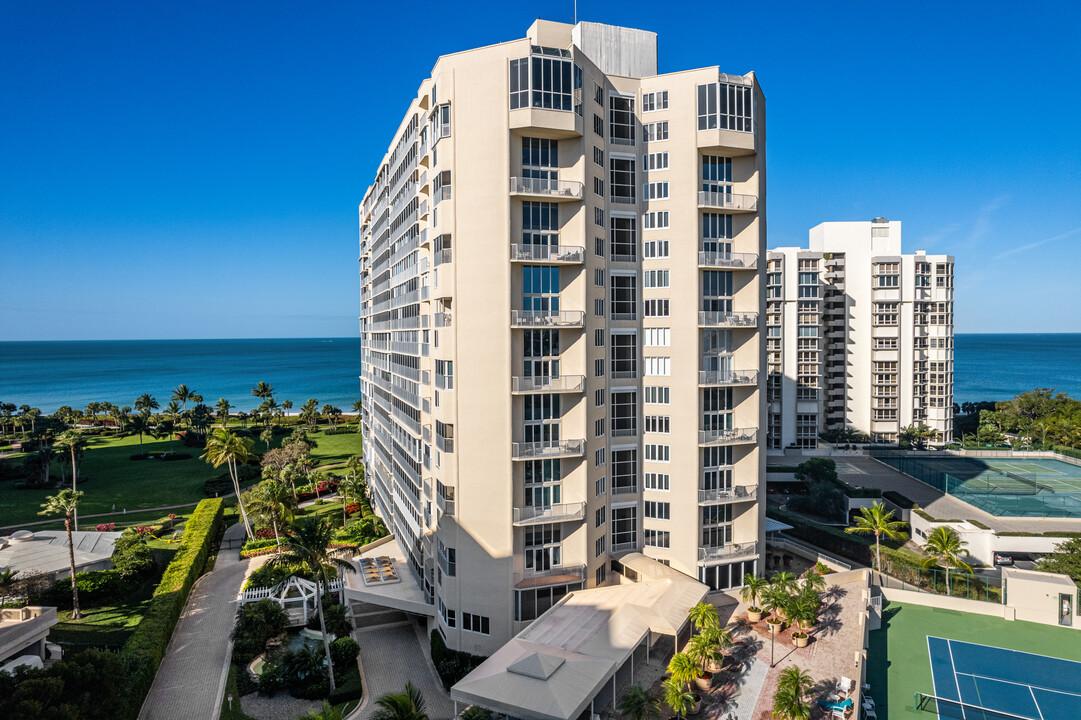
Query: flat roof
(47,550)
(554,668)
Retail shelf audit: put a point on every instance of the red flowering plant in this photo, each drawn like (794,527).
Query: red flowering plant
(106,527)
(172,516)
(352,509)
(144,529)
(264,534)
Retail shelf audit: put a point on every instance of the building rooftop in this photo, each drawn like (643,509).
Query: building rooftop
(47,550)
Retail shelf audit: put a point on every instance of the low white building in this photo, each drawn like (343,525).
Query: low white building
(22,635)
(46,551)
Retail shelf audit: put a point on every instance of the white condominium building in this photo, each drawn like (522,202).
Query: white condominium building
(858,336)
(560,260)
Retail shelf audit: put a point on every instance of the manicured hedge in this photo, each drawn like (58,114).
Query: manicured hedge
(148,644)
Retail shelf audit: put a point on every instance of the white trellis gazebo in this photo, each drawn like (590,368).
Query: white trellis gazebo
(295,594)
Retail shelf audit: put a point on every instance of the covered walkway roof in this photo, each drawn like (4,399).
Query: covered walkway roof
(553,669)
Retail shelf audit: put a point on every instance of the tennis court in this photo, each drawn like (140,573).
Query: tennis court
(980,682)
(1018,487)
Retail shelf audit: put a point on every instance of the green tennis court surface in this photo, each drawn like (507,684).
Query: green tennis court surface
(1035,487)
(899,664)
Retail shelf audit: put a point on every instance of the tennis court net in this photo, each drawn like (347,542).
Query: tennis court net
(948,709)
(1028,481)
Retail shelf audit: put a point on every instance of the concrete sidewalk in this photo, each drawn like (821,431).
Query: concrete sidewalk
(191,677)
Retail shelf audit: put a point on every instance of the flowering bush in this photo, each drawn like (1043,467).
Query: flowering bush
(172,516)
(352,508)
(144,529)
(322,487)
(264,533)
(106,527)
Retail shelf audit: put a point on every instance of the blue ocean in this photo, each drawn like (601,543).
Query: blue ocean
(47,375)
(50,374)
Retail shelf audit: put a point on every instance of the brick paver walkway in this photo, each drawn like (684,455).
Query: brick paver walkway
(189,681)
(390,656)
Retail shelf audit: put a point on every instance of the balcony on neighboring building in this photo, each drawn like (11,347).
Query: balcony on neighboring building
(521,385)
(711,555)
(563,512)
(722,496)
(620,548)
(560,575)
(551,190)
(546,319)
(555,254)
(732,436)
(731,377)
(730,260)
(709,318)
(731,202)
(547,449)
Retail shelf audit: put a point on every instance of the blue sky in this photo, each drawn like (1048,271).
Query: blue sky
(193,169)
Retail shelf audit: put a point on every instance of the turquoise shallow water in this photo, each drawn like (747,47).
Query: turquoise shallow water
(50,374)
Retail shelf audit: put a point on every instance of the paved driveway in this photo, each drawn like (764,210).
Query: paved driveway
(390,656)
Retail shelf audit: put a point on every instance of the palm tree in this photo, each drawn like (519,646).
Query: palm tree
(327,712)
(141,425)
(774,599)
(407,705)
(789,701)
(266,436)
(684,669)
(945,547)
(703,615)
(172,410)
(358,407)
(72,441)
(146,404)
(638,704)
(677,696)
(350,487)
(225,448)
(182,394)
(708,646)
(813,580)
(309,547)
(876,519)
(753,587)
(272,500)
(66,502)
(92,409)
(802,610)
(287,405)
(262,390)
(222,408)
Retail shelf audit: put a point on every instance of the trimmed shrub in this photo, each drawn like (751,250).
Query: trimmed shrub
(256,623)
(349,686)
(94,586)
(343,653)
(452,665)
(148,643)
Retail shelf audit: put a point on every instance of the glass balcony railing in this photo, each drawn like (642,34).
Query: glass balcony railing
(558,189)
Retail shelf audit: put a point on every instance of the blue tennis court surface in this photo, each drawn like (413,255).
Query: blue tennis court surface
(979,682)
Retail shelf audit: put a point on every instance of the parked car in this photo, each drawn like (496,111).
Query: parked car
(1001,559)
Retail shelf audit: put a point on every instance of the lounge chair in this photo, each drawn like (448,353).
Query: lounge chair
(846,685)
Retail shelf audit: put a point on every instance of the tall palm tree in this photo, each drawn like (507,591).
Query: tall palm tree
(407,705)
(879,521)
(263,390)
(789,702)
(753,587)
(140,424)
(638,704)
(309,547)
(222,408)
(703,615)
(72,441)
(945,547)
(92,409)
(813,580)
(358,406)
(266,436)
(272,500)
(225,448)
(287,405)
(181,394)
(66,502)
(172,410)
(146,404)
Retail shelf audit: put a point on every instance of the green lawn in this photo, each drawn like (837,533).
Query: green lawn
(109,477)
(898,665)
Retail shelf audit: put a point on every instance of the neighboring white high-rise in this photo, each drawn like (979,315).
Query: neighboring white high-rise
(858,336)
(561,295)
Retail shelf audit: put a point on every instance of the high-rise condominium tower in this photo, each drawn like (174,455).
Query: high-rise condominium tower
(561,296)
(858,336)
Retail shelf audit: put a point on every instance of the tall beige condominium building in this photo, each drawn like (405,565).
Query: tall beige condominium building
(858,336)
(560,291)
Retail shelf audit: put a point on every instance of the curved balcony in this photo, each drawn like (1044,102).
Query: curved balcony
(557,449)
(729,495)
(734,436)
(521,385)
(708,318)
(732,202)
(551,190)
(563,512)
(546,319)
(553,576)
(558,254)
(710,555)
(731,261)
(734,377)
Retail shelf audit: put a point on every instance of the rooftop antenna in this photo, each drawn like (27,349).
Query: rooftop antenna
(575,12)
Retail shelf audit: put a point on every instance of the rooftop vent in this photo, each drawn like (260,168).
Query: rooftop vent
(21,536)
(880,220)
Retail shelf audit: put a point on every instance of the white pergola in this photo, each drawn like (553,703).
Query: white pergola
(295,594)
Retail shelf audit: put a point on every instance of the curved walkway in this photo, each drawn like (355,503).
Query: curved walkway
(190,680)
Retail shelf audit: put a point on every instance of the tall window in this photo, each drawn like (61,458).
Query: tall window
(547,79)
(726,106)
(621,180)
(542,413)
(543,547)
(717,175)
(717,409)
(624,410)
(624,471)
(624,238)
(542,483)
(540,289)
(624,296)
(540,224)
(540,350)
(716,525)
(717,291)
(621,120)
(540,158)
(717,468)
(624,355)
(624,527)
(717,233)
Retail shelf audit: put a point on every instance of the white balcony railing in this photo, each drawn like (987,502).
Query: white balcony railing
(726,552)
(559,448)
(568,189)
(542,383)
(546,319)
(733,436)
(551,576)
(547,253)
(728,377)
(738,261)
(726,319)
(728,201)
(726,495)
(563,512)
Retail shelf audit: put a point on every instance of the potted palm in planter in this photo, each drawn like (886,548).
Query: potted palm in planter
(753,587)
(802,610)
(813,579)
(784,585)
(789,701)
(682,701)
(774,598)
(684,670)
(707,649)
(638,704)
